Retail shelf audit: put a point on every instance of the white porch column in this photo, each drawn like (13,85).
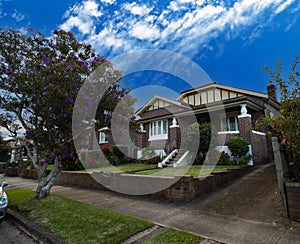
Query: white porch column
(174,123)
(244,111)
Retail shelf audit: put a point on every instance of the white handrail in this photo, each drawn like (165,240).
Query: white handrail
(182,161)
(167,159)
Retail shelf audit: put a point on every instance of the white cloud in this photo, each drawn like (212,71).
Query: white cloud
(135,9)
(108,1)
(184,26)
(143,31)
(18,16)
(85,19)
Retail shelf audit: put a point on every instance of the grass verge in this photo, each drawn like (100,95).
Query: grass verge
(73,221)
(175,237)
(194,170)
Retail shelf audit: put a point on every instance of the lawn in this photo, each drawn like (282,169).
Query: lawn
(175,237)
(194,170)
(76,222)
(124,168)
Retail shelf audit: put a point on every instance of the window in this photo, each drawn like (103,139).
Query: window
(158,130)
(103,138)
(229,124)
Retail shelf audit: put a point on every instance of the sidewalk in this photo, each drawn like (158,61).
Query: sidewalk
(247,211)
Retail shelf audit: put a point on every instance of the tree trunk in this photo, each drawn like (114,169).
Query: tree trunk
(46,181)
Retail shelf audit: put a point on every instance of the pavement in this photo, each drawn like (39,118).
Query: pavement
(246,211)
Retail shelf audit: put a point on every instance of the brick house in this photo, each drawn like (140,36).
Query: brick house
(162,119)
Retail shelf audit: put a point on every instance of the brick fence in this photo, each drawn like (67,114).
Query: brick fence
(185,189)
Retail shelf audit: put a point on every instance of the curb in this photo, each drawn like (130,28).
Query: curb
(39,232)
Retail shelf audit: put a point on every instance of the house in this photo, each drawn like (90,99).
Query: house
(162,120)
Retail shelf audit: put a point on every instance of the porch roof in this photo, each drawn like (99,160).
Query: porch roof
(173,110)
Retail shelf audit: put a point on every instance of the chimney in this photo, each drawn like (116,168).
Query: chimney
(271,88)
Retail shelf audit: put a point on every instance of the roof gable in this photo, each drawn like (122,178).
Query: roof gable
(157,102)
(214,92)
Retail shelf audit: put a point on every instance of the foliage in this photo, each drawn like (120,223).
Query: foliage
(74,221)
(287,126)
(4,151)
(224,159)
(148,152)
(205,132)
(238,146)
(175,237)
(39,80)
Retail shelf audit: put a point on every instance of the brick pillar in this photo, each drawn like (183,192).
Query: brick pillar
(245,125)
(142,137)
(174,138)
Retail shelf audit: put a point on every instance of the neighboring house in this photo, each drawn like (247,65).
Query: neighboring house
(244,108)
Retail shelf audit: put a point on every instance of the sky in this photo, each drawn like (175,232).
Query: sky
(230,40)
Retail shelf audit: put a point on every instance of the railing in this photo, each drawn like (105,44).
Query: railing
(167,159)
(182,161)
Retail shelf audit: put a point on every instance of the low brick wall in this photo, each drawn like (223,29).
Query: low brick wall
(186,188)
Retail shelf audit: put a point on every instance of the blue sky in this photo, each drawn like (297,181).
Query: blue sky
(230,40)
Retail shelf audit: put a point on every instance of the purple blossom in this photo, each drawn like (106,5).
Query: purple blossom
(46,161)
(12,77)
(55,32)
(69,100)
(46,60)
(77,89)
(85,65)
(93,54)
(8,72)
(28,133)
(45,93)
(69,67)
(36,135)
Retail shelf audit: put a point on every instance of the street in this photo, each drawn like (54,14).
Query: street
(10,234)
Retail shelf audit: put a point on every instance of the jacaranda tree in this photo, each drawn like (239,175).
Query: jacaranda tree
(40,78)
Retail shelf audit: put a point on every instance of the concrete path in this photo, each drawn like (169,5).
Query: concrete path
(246,211)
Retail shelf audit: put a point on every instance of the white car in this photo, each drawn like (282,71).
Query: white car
(3,201)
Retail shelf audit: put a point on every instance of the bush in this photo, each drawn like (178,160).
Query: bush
(225,159)
(238,146)
(148,153)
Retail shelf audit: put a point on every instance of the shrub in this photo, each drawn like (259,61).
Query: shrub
(238,146)
(225,159)
(148,152)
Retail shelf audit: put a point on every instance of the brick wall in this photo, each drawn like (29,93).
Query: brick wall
(184,189)
(259,148)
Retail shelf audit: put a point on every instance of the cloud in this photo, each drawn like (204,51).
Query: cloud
(136,9)
(184,26)
(18,16)
(108,1)
(82,17)
(143,31)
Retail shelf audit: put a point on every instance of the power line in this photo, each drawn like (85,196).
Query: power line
(74,8)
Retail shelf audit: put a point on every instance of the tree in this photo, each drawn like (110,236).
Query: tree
(204,132)
(39,80)
(287,126)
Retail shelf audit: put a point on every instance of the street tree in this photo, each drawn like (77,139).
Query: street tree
(40,78)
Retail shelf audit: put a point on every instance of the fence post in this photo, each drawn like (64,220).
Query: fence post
(279,171)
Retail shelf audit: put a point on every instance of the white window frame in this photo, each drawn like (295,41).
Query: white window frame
(158,130)
(225,124)
(103,137)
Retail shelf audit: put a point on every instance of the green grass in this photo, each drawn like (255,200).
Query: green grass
(194,170)
(76,222)
(172,236)
(124,168)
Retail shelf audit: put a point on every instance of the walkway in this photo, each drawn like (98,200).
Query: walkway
(247,211)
